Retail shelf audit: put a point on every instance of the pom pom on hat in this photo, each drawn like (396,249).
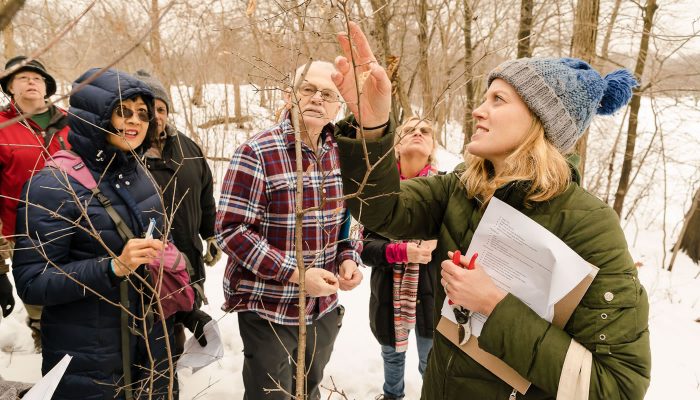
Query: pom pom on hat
(618,91)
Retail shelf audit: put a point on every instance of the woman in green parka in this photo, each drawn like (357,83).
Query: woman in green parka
(533,113)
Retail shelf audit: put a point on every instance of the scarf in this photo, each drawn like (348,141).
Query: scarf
(405,290)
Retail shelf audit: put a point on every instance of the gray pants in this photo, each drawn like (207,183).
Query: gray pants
(267,348)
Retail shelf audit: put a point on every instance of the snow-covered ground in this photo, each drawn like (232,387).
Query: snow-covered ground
(356,366)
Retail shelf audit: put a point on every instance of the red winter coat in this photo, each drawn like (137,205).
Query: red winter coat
(24,147)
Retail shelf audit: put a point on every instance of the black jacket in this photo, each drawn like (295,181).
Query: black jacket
(77,321)
(381,312)
(186,181)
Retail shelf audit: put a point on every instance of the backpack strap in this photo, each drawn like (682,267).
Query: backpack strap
(72,165)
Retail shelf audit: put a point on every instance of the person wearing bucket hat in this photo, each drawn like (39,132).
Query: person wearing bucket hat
(533,112)
(180,169)
(30,132)
(20,64)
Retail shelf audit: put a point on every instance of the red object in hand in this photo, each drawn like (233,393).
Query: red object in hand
(457,260)
(456,257)
(472,261)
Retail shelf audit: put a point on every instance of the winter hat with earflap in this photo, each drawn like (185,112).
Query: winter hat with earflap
(157,88)
(565,93)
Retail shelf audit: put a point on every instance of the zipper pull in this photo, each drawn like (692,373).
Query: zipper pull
(513,394)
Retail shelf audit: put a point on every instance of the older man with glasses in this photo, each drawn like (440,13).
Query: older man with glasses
(31,130)
(255,226)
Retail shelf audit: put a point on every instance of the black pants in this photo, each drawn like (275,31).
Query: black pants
(270,352)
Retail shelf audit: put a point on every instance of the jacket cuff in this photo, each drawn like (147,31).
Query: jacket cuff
(289,264)
(397,253)
(113,278)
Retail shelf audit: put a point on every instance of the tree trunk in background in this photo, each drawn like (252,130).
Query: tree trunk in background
(583,46)
(399,101)
(8,36)
(689,238)
(608,31)
(237,103)
(8,9)
(155,53)
(467,122)
(525,29)
(423,68)
(623,185)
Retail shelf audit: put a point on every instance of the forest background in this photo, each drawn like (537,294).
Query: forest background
(227,62)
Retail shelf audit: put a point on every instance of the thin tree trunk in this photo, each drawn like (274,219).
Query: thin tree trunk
(689,238)
(583,45)
(8,10)
(8,36)
(298,245)
(399,100)
(525,29)
(623,185)
(155,52)
(423,68)
(237,103)
(608,31)
(467,125)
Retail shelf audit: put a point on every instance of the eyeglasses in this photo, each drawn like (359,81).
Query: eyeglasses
(126,113)
(328,95)
(27,79)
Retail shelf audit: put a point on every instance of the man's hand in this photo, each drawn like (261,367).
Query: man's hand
(350,275)
(320,282)
(418,254)
(373,105)
(213,253)
(7,300)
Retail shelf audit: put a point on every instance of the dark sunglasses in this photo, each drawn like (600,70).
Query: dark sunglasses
(126,113)
(423,130)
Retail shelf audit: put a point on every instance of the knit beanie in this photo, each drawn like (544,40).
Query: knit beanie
(565,93)
(157,88)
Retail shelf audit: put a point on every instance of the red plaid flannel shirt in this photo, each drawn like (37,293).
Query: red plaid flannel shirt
(255,224)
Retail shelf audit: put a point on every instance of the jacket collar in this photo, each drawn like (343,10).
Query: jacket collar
(288,131)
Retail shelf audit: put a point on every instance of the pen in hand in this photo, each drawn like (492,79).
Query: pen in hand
(151,228)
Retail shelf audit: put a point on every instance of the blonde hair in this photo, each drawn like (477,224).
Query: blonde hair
(398,136)
(536,161)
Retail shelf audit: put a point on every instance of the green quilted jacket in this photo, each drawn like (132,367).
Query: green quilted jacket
(611,321)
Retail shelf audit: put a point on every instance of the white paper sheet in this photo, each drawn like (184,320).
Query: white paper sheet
(523,258)
(196,356)
(43,390)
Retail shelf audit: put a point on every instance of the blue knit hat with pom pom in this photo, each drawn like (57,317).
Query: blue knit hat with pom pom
(565,93)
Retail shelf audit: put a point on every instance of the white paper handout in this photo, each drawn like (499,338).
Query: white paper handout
(43,390)
(196,356)
(523,258)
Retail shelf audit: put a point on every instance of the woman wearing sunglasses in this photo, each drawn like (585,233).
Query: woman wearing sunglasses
(72,259)
(401,283)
